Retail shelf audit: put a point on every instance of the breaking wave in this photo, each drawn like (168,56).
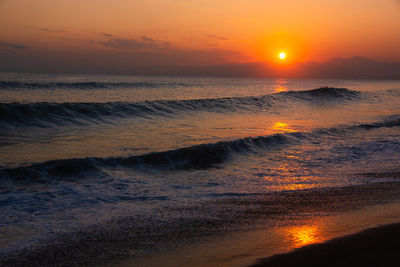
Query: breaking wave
(45,114)
(325,93)
(201,156)
(86,85)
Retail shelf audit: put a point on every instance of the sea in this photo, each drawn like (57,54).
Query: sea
(98,168)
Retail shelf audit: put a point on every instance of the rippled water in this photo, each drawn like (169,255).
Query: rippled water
(78,151)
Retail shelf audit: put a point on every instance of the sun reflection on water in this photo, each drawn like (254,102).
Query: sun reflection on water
(279,86)
(281,127)
(303,235)
(288,177)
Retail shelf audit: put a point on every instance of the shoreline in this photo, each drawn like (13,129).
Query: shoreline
(376,246)
(253,247)
(230,232)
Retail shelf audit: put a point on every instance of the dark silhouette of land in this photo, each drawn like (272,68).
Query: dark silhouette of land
(338,68)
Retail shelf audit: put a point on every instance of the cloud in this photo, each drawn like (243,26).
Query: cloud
(143,42)
(147,39)
(63,33)
(106,34)
(53,31)
(213,36)
(17,46)
(171,61)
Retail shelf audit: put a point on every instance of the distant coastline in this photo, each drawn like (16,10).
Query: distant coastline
(337,68)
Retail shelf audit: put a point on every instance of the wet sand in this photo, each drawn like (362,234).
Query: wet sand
(246,248)
(373,247)
(240,231)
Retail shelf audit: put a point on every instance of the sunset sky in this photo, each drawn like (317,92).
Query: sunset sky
(127,33)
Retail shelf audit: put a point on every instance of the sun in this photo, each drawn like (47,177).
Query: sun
(282,55)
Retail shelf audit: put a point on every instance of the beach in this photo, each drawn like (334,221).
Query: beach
(265,226)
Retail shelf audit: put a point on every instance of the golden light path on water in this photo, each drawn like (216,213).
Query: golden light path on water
(282,127)
(303,235)
(280,86)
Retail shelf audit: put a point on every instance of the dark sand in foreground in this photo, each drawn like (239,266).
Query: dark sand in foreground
(373,247)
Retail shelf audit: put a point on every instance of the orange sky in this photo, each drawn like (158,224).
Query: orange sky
(200,32)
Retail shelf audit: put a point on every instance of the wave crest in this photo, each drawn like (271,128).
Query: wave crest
(325,93)
(202,156)
(86,85)
(45,114)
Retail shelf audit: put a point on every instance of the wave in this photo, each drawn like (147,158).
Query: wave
(325,93)
(42,114)
(87,85)
(201,156)
(390,121)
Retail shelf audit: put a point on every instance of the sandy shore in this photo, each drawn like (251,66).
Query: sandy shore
(241,230)
(373,247)
(246,248)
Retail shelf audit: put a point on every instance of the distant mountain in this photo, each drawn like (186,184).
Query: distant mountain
(350,68)
(345,68)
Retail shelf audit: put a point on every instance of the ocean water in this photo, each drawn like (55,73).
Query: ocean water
(122,164)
